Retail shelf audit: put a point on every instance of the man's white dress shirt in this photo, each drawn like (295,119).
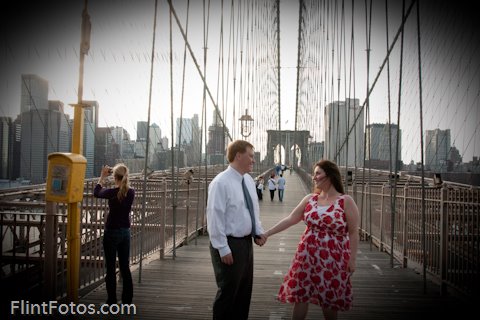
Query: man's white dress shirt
(227,212)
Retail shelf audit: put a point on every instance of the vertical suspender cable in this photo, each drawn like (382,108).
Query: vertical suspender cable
(421,148)
(334,38)
(352,75)
(369,124)
(323,77)
(299,48)
(241,17)
(278,70)
(203,134)
(220,79)
(398,135)
(247,56)
(148,142)
(205,88)
(347,107)
(368,27)
(234,45)
(334,23)
(174,185)
(199,170)
(229,74)
(392,207)
(204,100)
(182,94)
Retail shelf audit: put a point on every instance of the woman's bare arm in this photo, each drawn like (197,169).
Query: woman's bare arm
(293,218)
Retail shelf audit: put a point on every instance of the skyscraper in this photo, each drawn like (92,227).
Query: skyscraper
(121,138)
(378,145)
(43,132)
(90,124)
(17,147)
(6,147)
(339,121)
(44,128)
(34,93)
(189,138)
(142,127)
(190,130)
(217,141)
(437,149)
(155,137)
(105,149)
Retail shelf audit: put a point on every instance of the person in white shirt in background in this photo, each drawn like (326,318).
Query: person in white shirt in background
(281,187)
(260,188)
(230,227)
(272,186)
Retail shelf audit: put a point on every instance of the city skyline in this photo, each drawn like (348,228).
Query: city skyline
(187,123)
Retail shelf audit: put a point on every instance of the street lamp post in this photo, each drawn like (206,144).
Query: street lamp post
(246,123)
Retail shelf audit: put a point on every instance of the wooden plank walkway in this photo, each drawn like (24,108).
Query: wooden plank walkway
(184,287)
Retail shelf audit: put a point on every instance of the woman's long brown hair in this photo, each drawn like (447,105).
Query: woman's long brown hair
(332,172)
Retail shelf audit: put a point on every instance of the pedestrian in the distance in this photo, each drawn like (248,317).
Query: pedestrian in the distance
(272,186)
(281,187)
(260,188)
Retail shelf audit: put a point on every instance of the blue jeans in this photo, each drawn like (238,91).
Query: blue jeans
(118,241)
(280,194)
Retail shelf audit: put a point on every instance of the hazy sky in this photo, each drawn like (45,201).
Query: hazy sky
(43,38)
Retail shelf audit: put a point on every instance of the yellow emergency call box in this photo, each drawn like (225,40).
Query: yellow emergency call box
(65,177)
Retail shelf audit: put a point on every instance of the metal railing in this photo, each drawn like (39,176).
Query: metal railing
(446,239)
(33,257)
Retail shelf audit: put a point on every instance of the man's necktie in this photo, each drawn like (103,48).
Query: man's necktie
(248,201)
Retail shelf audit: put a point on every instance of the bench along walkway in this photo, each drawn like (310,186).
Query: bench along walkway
(184,287)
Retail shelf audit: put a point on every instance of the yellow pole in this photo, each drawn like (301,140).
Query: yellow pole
(77,131)
(73,228)
(73,251)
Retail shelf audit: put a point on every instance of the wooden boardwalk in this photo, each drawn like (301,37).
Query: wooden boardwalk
(184,287)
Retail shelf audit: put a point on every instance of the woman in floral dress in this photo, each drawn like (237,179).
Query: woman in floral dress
(326,255)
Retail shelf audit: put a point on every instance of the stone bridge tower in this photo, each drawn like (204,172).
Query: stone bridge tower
(288,139)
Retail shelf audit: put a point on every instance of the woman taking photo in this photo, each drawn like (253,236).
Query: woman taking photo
(116,238)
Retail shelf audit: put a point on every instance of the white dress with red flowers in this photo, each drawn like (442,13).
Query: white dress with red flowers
(318,273)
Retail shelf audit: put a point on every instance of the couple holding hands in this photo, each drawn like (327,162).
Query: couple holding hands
(326,254)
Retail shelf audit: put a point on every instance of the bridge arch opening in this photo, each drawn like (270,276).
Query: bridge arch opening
(295,155)
(279,154)
(287,147)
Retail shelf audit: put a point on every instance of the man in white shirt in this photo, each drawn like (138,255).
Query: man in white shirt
(230,229)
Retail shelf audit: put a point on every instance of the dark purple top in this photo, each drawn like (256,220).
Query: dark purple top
(119,212)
